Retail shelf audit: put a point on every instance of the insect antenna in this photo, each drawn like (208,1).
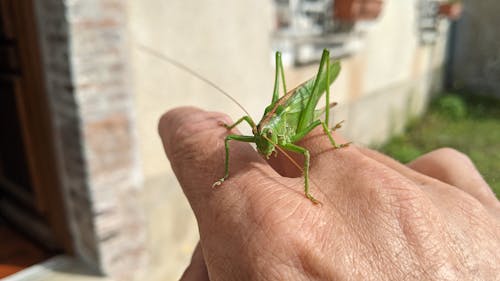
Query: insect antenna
(178,64)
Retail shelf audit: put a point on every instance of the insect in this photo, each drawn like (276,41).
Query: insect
(290,118)
(287,119)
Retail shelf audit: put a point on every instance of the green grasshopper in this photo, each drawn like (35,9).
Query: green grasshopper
(290,118)
(287,119)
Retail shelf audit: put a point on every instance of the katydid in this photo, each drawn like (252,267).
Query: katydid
(287,119)
(290,118)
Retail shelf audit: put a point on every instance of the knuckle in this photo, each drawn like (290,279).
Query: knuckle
(389,184)
(390,193)
(453,154)
(172,118)
(191,125)
(184,130)
(470,206)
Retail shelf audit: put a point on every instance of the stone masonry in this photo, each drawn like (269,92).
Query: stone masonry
(84,48)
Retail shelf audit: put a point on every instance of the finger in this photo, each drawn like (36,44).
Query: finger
(455,168)
(197,269)
(418,171)
(194,144)
(393,164)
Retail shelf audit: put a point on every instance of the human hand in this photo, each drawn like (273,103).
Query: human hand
(435,219)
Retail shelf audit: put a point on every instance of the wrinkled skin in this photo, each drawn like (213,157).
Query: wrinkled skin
(434,219)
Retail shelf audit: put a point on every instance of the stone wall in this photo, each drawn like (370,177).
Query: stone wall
(85,55)
(475,57)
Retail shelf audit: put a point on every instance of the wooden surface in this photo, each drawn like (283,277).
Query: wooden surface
(29,176)
(17,252)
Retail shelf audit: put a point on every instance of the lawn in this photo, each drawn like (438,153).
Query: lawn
(466,122)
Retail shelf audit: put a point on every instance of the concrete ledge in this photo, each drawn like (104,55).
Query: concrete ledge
(58,268)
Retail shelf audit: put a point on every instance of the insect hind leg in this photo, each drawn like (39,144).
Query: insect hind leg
(279,74)
(307,157)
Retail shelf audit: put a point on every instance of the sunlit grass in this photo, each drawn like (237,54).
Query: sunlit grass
(468,123)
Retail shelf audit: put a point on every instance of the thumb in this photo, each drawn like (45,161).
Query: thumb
(197,269)
(194,143)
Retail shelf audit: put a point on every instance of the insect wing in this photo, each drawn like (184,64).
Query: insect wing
(296,104)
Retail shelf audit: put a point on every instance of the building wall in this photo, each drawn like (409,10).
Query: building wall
(475,57)
(228,42)
(383,84)
(85,57)
(391,78)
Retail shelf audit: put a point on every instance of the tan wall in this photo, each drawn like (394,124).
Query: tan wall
(228,42)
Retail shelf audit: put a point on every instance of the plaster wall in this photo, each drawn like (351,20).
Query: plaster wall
(226,41)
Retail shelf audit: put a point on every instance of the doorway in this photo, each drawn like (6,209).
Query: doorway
(32,213)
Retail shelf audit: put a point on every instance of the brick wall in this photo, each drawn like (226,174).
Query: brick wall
(84,48)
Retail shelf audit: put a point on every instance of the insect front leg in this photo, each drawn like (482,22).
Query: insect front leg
(248,119)
(226,145)
(307,156)
(327,131)
(337,126)
(300,135)
(313,125)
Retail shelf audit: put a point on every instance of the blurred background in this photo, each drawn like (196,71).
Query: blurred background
(86,192)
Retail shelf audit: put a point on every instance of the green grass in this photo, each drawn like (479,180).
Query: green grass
(468,123)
